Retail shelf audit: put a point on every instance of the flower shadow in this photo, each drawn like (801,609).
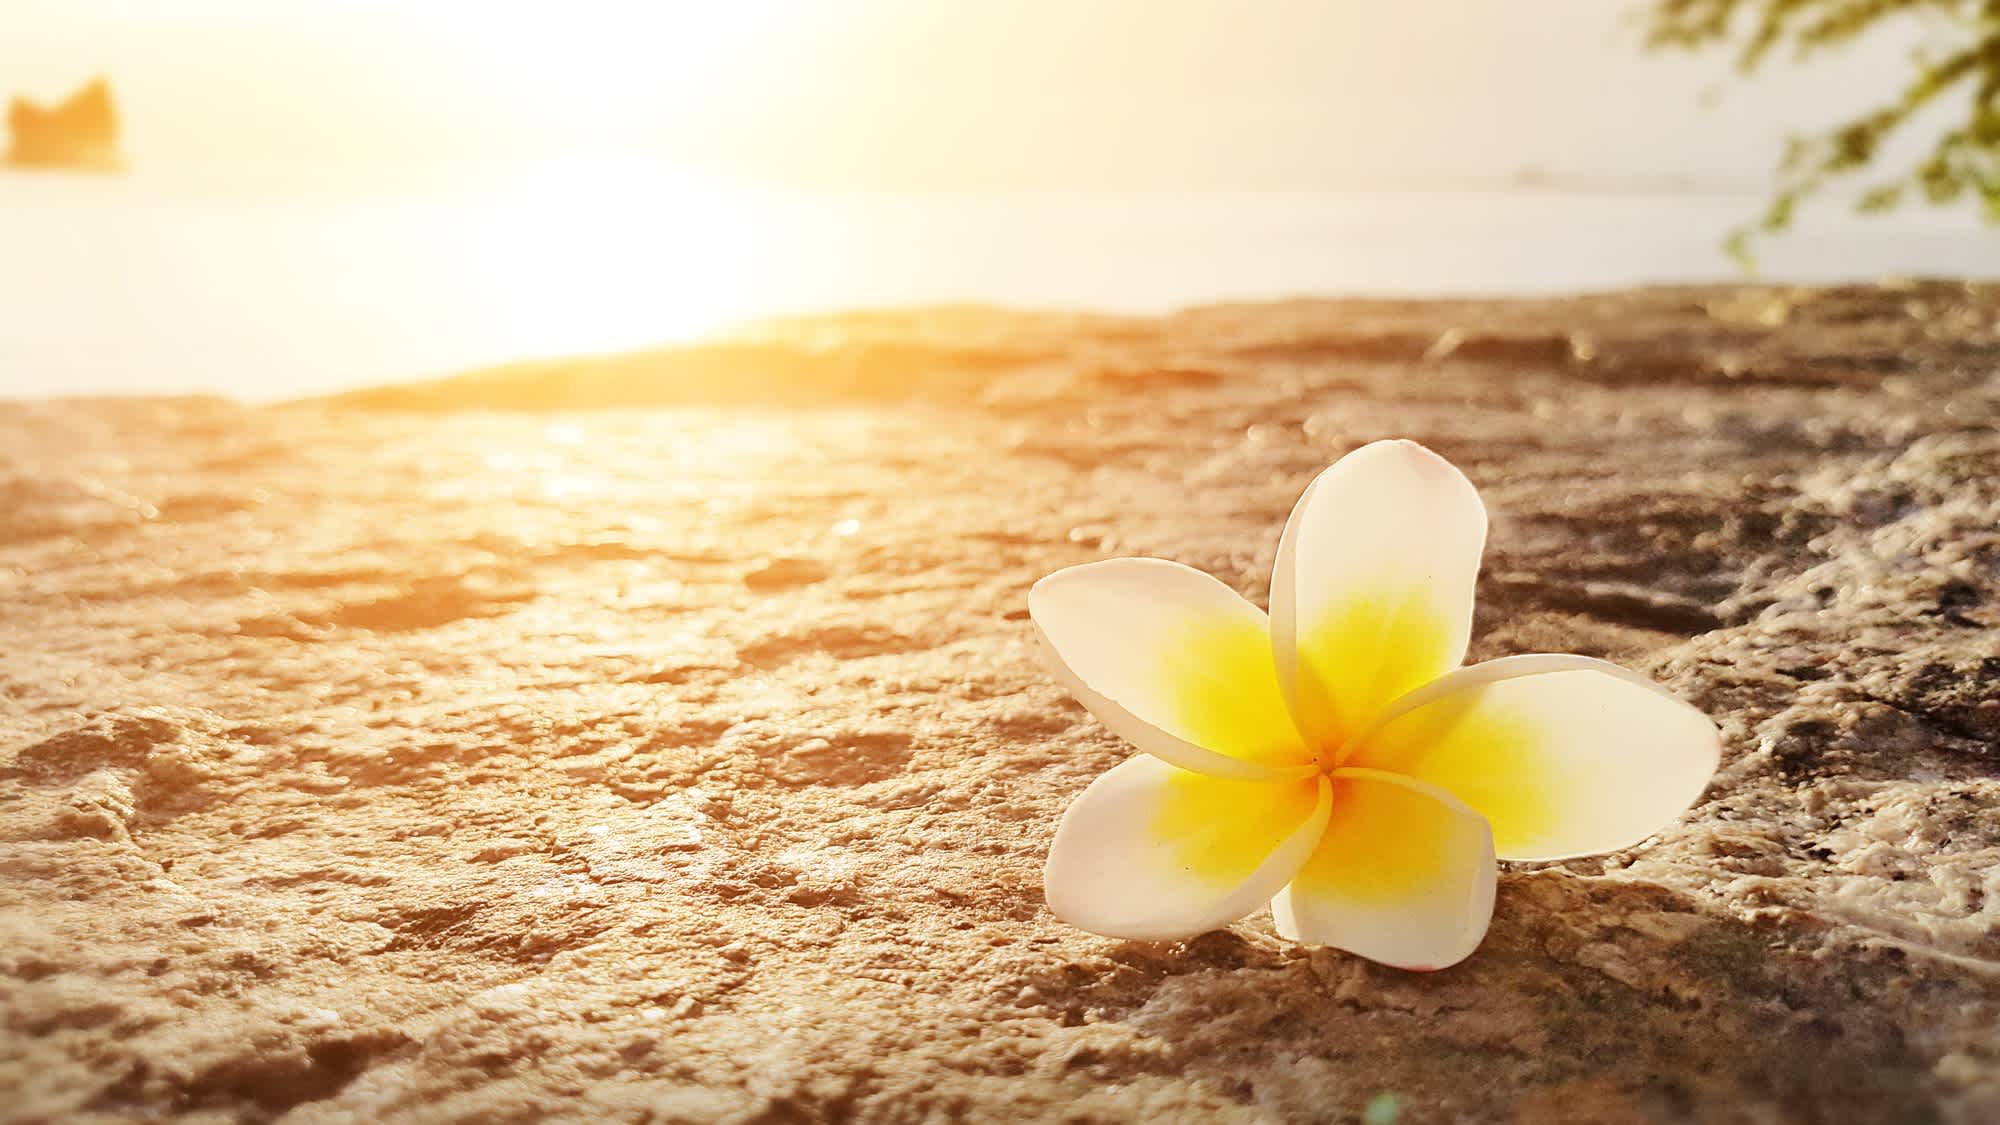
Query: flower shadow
(1591,999)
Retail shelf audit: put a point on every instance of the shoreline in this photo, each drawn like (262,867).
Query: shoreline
(786,354)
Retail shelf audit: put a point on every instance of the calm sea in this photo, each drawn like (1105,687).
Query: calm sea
(265,288)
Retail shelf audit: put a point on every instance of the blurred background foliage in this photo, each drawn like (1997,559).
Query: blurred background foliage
(1955,73)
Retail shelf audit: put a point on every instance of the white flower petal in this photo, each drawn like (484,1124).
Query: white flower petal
(1155,852)
(1173,661)
(1404,875)
(1564,755)
(1372,592)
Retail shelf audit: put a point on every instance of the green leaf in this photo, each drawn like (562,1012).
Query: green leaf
(1737,246)
(1876,200)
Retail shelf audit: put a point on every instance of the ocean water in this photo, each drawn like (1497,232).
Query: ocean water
(265,287)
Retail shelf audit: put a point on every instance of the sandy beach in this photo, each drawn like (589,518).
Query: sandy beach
(660,737)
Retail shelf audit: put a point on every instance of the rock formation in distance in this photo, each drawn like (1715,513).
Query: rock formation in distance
(79,133)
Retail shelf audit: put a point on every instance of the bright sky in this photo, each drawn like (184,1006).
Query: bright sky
(919,93)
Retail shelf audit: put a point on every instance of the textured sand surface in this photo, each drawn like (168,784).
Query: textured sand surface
(657,754)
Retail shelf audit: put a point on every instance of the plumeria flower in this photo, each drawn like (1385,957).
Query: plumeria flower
(1332,758)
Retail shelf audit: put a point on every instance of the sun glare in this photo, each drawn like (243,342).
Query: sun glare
(595,67)
(599,253)
(602,234)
